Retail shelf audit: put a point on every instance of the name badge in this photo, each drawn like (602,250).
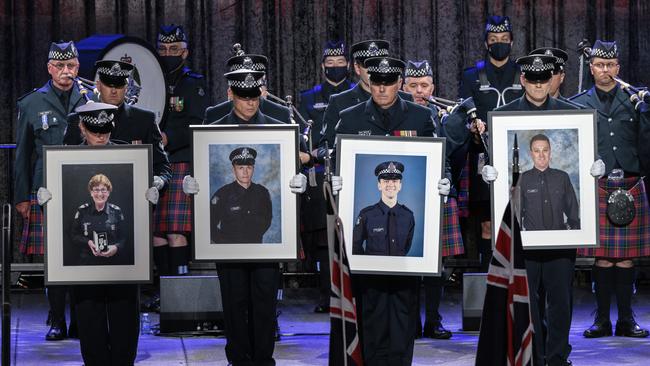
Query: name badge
(377,229)
(320,106)
(235,209)
(365,133)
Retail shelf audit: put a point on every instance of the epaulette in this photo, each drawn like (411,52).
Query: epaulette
(406,208)
(114,207)
(578,105)
(84,205)
(26,94)
(366,209)
(578,95)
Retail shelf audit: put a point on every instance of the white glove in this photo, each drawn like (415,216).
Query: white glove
(337,184)
(444,187)
(43,196)
(158,182)
(152,195)
(298,183)
(597,169)
(190,185)
(489,174)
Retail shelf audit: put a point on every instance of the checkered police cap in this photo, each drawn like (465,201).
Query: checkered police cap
(389,170)
(249,62)
(561,56)
(97,117)
(334,48)
(243,156)
(417,69)
(62,51)
(604,49)
(245,79)
(536,63)
(498,24)
(114,68)
(384,65)
(171,33)
(371,48)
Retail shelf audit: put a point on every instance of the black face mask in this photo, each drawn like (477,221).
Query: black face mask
(336,74)
(171,63)
(499,51)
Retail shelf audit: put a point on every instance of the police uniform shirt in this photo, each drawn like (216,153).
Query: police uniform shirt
(110,220)
(562,200)
(188,99)
(42,120)
(240,215)
(314,102)
(267,107)
(372,228)
(623,132)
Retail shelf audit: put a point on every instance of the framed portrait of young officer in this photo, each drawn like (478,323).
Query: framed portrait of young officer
(552,151)
(389,206)
(97,222)
(245,210)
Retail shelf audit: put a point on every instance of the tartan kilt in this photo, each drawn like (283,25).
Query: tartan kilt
(173,213)
(32,240)
(452,240)
(629,241)
(463,191)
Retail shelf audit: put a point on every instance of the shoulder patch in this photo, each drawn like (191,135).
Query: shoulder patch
(214,200)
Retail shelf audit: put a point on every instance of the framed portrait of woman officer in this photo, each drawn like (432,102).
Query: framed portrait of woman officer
(97,223)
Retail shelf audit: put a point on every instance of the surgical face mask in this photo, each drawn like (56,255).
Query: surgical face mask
(171,63)
(336,74)
(499,51)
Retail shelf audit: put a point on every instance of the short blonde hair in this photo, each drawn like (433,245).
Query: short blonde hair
(98,179)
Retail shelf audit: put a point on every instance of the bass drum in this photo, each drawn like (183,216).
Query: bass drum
(146,87)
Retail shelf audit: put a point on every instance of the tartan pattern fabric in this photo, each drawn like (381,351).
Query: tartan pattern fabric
(463,191)
(32,240)
(452,240)
(629,241)
(173,213)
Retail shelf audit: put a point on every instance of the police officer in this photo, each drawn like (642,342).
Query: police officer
(360,93)
(492,83)
(188,99)
(240,212)
(313,103)
(387,338)
(42,120)
(418,81)
(622,136)
(266,106)
(550,272)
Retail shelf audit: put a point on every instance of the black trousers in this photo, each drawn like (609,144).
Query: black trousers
(249,297)
(390,313)
(108,320)
(550,283)
(315,244)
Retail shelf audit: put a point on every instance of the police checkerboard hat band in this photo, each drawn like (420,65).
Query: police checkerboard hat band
(243,156)
(250,62)
(604,49)
(498,24)
(389,170)
(171,33)
(417,69)
(536,63)
(384,65)
(97,117)
(334,48)
(561,56)
(245,79)
(62,51)
(114,68)
(371,48)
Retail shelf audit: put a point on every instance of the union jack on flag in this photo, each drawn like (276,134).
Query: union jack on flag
(506,336)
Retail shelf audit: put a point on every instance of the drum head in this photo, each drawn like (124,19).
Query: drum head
(147,86)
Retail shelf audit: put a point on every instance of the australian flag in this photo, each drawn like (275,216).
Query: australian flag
(506,336)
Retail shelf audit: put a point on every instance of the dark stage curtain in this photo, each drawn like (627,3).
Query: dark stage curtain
(291,33)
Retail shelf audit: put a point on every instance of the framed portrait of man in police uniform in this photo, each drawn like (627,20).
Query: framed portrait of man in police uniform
(553,153)
(389,204)
(244,209)
(97,223)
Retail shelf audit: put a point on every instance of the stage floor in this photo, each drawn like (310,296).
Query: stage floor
(305,342)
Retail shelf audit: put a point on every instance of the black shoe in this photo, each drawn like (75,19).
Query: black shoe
(152,305)
(72,331)
(436,331)
(600,328)
(48,321)
(56,333)
(321,309)
(629,328)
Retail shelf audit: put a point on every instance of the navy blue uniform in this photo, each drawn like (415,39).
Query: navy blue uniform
(314,103)
(267,107)
(380,234)
(110,220)
(550,277)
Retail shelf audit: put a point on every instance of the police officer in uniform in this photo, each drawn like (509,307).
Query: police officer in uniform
(550,272)
(42,120)
(491,83)
(188,99)
(266,106)
(622,136)
(387,337)
(241,211)
(360,93)
(313,103)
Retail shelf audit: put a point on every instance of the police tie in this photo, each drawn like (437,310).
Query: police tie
(547,209)
(392,233)
(385,118)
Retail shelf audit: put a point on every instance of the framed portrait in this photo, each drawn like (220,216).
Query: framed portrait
(389,203)
(98,222)
(559,197)
(244,210)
